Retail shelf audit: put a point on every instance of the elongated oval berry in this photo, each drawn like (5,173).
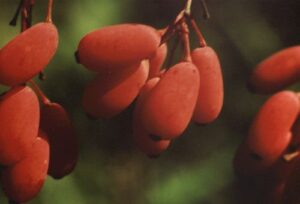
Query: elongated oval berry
(56,124)
(23,181)
(157,60)
(141,136)
(27,54)
(108,95)
(211,93)
(269,133)
(19,123)
(117,47)
(277,71)
(168,108)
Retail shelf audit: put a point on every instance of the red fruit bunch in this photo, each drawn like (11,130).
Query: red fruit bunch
(267,162)
(128,61)
(36,136)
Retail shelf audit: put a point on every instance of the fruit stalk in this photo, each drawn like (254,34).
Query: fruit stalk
(13,21)
(199,34)
(188,5)
(43,98)
(172,50)
(186,41)
(206,14)
(49,12)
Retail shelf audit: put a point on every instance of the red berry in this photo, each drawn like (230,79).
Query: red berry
(109,94)
(269,133)
(277,71)
(210,99)
(19,123)
(27,54)
(168,108)
(141,136)
(23,181)
(56,124)
(117,47)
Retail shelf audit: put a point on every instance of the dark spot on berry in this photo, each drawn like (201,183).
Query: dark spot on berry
(155,138)
(256,156)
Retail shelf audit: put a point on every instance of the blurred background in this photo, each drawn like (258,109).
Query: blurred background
(197,168)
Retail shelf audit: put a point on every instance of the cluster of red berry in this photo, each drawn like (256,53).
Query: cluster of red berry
(34,141)
(128,60)
(269,156)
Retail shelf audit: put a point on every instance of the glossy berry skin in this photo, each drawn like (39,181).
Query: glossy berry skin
(56,123)
(117,47)
(211,93)
(27,54)
(157,60)
(270,132)
(109,94)
(277,71)
(141,136)
(168,108)
(19,123)
(22,181)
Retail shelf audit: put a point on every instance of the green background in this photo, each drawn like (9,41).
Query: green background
(197,168)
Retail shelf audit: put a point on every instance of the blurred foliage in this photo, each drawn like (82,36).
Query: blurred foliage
(197,168)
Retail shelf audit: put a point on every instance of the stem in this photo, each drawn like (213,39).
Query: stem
(199,34)
(186,41)
(40,93)
(24,16)
(42,76)
(206,14)
(14,20)
(291,156)
(188,5)
(49,12)
(171,29)
(168,33)
(172,51)
(30,8)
